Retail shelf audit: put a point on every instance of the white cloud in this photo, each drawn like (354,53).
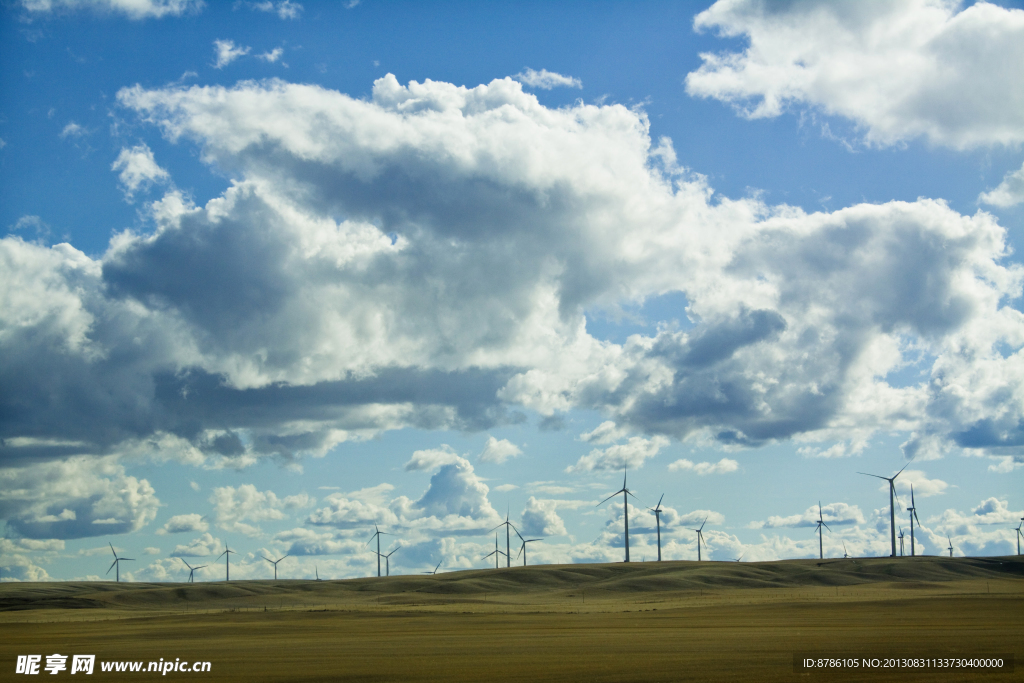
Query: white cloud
(505,487)
(540,518)
(138,169)
(184,523)
(235,507)
(899,70)
(73,130)
(285,9)
(923,486)
(74,498)
(499,223)
(432,458)
(498,451)
(605,433)
(133,9)
(833,514)
(203,546)
(631,454)
(723,466)
(226,52)
(271,56)
(359,509)
(1010,192)
(546,80)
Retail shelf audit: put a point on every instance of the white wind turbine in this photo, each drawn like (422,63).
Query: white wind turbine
(700,537)
(901,537)
(387,560)
(377,533)
(117,562)
(434,571)
(950,545)
(821,523)
(192,570)
(496,552)
(892,510)
(657,517)
(522,549)
(913,515)
(508,549)
(228,552)
(273,562)
(625,506)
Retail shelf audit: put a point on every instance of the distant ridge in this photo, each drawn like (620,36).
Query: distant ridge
(633,578)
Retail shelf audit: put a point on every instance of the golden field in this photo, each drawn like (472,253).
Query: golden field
(669,621)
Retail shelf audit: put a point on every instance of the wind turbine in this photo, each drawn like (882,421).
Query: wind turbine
(522,549)
(892,510)
(700,537)
(387,560)
(435,568)
(377,533)
(508,545)
(317,571)
(901,541)
(495,553)
(821,523)
(273,562)
(117,562)
(625,506)
(657,516)
(845,554)
(192,570)
(913,515)
(227,561)
(950,545)
(1019,534)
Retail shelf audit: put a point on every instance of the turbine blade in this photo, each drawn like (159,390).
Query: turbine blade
(609,498)
(871,475)
(658,506)
(112,565)
(112,548)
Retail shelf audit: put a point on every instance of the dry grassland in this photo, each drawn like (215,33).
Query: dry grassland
(671,621)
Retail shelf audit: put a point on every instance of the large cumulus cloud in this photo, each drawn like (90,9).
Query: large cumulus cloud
(425,257)
(898,70)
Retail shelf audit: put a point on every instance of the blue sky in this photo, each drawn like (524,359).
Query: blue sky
(274,272)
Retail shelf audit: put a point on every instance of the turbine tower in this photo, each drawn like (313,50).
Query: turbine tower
(892,511)
(950,545)
(913,515)
(192,570)
(317,572)
(377,533)
(625,506)
(117,562)
(495,553)
(657,516)
(821,523)
(228,552)
(1019,534)
(700,537)
(507,524)
(273,562)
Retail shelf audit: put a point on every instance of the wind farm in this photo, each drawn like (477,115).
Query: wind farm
(720,620)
